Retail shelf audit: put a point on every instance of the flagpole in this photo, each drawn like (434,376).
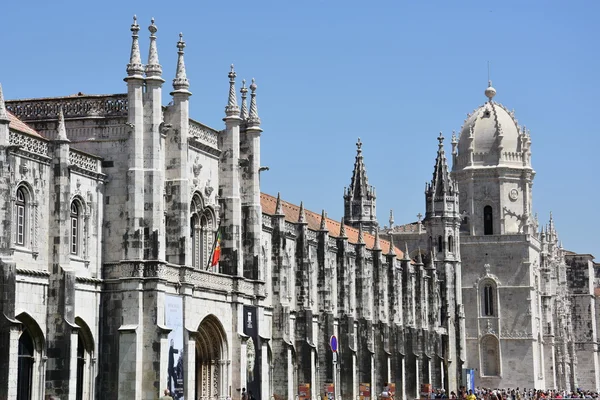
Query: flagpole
(214,246)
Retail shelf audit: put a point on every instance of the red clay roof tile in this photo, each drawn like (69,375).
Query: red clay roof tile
(18,125)
(313,220)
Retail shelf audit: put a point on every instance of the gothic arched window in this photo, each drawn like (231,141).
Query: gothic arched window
(75,227)
(450,244)
(201,233)
(440,244)
(488,300)
(490,356)
(488,221)
(21,216)
(25,366)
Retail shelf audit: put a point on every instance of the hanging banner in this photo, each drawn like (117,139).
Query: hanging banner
(304,391)
(328,392)
(174,321)
(253,352)
(364,391)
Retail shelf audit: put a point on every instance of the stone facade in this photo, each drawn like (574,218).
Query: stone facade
(115,206)
(529,305)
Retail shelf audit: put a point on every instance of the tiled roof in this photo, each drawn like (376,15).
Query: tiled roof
(18,125)
(313,220)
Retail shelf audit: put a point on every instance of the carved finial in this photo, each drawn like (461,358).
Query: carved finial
(278,207)
(244,92)
(253,119)
(153,69)
(181,83)
(323,226)
(232,108)
(358,146)
(61,135)
(361,235)
(135,68)
(419,218)
(440,140)
(301,214)
(490,92)
(3,112)
(454,138)
(391,219)
(343,229)
(391,250)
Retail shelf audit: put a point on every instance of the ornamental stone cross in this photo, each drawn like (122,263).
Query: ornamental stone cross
(419,216)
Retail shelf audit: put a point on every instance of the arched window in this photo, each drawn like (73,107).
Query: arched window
(488,221)
(20,216)
(25,366)
(201,233)
(488,300)
(450,244)
(490,356)
(75,227)
(80,367)
(440,244)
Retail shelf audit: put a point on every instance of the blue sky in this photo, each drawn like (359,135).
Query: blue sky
(393,73)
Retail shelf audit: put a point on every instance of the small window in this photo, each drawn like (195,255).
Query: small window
(75,214)
(25,366)
(440,244)
(450,244)
(488,221)
(20,208)
(488,300)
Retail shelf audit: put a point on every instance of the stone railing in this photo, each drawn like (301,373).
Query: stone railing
(267,221)
(73,107)
(332,242)
(312,235)
(290,228)
(83,161)
(28,143)
(203,133)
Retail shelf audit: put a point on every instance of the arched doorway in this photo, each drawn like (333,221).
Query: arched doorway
(211,360)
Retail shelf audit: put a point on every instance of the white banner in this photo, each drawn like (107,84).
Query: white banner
(174,321)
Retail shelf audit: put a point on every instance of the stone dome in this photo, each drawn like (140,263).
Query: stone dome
(491,126)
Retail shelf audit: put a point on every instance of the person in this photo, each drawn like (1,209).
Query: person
(172,378)
(250,395)
(385,393)
(471,396)
(244,394)
(167,395)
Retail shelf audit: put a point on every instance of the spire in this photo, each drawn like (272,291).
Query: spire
(359,185)
(323,226)
(391,219)
(406,256)
(181,83)
(244,92)
(278,208)
(343,229)
(3,113)
(431,258)
(232,108)
(253,119)
(61,135)
(135,68)
(391,251)
(376,245)
(153,68)
(301,214)
(440,183)
(361,235)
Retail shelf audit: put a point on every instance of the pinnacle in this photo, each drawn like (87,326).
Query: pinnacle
(153,68)
(244,92)
(376,245)
(359,184)
(406,256)
(323,226)
(253,119)
(181,83)
(278,208)
(301,214)
(361,235)
(419,258)
(391,250)
(441,182)
(232,108)
(343,229)
(61,135)
(3,112)
(135,68)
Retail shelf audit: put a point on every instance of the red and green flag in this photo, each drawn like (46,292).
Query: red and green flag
(217,250)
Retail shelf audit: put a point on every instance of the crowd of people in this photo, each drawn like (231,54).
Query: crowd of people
(513,394)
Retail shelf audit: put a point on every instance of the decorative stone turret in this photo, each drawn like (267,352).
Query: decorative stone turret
(359,198)
(135,69)
(229,185)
